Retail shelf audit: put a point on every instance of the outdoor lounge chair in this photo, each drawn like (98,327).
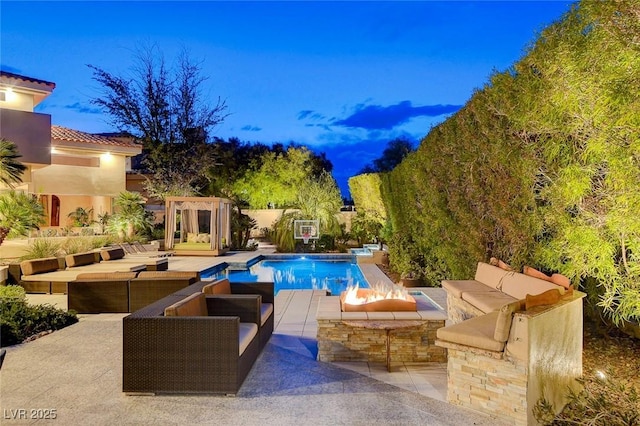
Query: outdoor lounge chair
(175,345)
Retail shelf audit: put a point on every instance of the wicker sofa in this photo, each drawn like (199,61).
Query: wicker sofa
(179,344)
(112,292)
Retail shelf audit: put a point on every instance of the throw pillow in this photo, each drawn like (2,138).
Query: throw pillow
(500,264)
(559,279)
(549,297)
(532,272)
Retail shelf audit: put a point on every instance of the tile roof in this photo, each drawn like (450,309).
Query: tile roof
(65,134)
(7,74)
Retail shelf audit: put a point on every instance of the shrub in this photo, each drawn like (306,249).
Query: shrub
(12,292)
(19,320)
(602,401)
(43,247)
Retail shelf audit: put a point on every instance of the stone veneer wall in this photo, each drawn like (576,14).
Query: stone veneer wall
(340,342)
(460,310)
(481,382)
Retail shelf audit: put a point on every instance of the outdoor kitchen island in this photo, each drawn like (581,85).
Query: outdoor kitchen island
(344,336)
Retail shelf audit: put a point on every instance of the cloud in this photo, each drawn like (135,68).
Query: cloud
(381,117)
(83,108)
(310,114)
(250,128)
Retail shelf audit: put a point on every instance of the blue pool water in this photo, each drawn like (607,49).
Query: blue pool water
(300,274)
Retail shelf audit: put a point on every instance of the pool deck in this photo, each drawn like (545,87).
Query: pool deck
(77,371)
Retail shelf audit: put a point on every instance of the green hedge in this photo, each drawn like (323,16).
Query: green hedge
(540,167)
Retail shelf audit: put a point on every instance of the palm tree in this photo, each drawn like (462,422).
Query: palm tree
(19,213)
(131,215)
(10,168)
(81,217)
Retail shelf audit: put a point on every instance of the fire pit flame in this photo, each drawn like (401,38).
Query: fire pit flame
(379,298)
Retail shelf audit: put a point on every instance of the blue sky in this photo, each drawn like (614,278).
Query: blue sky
(341,77)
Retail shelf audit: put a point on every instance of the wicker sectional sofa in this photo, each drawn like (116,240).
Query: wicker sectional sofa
(113,292)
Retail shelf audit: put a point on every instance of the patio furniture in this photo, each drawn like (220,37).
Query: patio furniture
(150,286)
(502,362)
(265,290)
(491,288)
(176,345)
(99,292)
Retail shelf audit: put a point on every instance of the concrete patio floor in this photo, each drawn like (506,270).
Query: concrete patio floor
(77,372)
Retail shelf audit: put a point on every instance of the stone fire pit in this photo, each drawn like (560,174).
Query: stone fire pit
(345,336)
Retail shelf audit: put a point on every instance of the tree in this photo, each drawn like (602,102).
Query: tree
(10,168)
(81,217)
(130,215)
(19,213)
(317,198)
(165,109)
(392,155)
(276,182)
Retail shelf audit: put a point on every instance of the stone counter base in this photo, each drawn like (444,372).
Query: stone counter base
(487,384)
(340,342)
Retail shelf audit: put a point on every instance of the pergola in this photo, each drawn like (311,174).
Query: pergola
(204,224)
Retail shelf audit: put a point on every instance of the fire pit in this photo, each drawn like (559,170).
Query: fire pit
(359,329)
(371,300)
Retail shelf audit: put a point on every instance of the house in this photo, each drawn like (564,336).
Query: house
(66,168)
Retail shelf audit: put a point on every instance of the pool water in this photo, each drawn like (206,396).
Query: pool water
(301,274)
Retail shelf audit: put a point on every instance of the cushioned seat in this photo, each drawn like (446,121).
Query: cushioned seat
(476,332)
(196,305)
(456,288)
(265,290)
(488,300)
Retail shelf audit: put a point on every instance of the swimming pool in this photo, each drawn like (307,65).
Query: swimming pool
(300,273)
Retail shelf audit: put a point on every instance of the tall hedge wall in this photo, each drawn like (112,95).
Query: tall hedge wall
(540,167)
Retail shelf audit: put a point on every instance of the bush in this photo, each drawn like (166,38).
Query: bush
(43,247)
(12,292)
(602,401)
(19,320)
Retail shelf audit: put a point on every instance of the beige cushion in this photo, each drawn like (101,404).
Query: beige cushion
(490,275)
(246,333)
(476,332)
(80,259)
(112,253)
(218,287)
(106,276)
(266,309)
(168,274)
(192,306)
(39,266)
(487,301)
(505,318)
(457,287)
(519,285)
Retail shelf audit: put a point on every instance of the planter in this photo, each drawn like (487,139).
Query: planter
(411,282)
